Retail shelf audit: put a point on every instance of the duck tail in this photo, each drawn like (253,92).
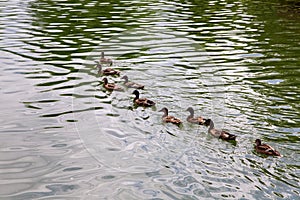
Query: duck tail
(152,103)
(232,137)
(276,153)
(229,137)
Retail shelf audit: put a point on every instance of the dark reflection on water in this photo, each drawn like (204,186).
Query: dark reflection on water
(65,137)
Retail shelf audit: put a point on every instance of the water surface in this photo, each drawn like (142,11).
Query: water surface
(65,137)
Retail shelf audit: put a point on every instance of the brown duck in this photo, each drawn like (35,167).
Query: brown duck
(194,120)
(131,84)
(265,148)
(104,60)
(107,71)
(224,135)
(169,119)
(111,86)
(142,101)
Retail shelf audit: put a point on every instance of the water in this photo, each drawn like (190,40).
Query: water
(64,137)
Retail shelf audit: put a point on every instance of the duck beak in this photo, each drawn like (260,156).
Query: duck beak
(202,122)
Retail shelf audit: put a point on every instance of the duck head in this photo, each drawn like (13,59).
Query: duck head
(165,111)
(136,93)
(105,81)
(258,142)
(125,78)
(102,54)
(190,109)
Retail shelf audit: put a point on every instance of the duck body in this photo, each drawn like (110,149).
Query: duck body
(224,135)
(108,71)
(111,86)
(104,60)
(169,119)
(194,120)
(132,84)
(142,101)
(265,149)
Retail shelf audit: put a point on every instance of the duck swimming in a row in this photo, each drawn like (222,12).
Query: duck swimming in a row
(169,119)
(265,149)
(111,86)
(194,120)
(104,60)
(221,134)
(131,84)
(224,135)
(107,71)
(142,101)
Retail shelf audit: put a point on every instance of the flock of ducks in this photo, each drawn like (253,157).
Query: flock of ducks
(144,102)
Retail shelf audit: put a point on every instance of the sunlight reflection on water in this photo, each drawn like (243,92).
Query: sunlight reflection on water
(63,135)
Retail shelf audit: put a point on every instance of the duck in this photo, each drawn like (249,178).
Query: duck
(224,135)
(194,120)
(142,101)
(107,71)
(104,60)
(265,149)
(111,86)
(169,119)
(131,84)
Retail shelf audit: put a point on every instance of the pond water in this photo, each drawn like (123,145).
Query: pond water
(64,137)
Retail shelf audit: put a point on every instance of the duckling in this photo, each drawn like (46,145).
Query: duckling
(265,149)
(169,119)
(111,86)
(142,101)
(104,60)
(194,120)
(131,84)
(224,135)
(107,71)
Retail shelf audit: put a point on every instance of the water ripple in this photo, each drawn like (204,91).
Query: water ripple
(65,136)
